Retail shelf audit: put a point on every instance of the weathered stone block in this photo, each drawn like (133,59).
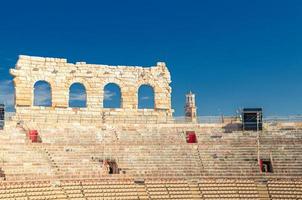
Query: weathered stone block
(61,75)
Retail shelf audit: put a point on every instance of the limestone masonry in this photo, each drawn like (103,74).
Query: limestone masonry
(92,153)
(61,75)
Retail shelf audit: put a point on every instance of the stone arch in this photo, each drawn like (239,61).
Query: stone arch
(112,97)
(61,75)
(82,81)
(77,97)
(42,93)
(146,96)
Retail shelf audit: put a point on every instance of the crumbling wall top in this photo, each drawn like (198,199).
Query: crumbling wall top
(61,75)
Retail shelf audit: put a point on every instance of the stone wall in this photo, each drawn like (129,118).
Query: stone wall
(61,75)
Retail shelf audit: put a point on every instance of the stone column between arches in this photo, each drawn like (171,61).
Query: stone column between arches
(61,75)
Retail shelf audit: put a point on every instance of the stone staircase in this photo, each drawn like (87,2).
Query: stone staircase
(263,191)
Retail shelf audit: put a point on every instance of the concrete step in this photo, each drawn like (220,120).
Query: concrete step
(263,191)
(194,188)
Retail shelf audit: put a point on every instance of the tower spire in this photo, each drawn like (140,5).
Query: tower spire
(190,108)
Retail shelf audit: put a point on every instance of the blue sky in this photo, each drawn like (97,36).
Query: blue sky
(230,53)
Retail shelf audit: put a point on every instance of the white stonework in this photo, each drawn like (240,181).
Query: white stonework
(61,75)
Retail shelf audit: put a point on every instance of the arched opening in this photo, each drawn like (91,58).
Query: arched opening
(77,96)
(146,97)
(112,96)
(42,94)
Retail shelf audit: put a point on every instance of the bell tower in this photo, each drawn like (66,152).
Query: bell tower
(190,108)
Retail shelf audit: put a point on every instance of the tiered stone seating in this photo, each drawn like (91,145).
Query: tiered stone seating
(11,134)
(284,149)
(216,153)
(228,189)
(114,189)
(212,168)
(231,154)
(128,189)
(84,135)
(235,154)
(30,191)
(162,161)
(73,190)
(73,161)
(168,189)
(21,162)
(285,189)
(138,134)
(142,161)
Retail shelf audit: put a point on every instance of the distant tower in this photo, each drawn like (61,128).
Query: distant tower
(190,108)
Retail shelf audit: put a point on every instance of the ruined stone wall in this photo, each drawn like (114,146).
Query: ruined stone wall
(61,75)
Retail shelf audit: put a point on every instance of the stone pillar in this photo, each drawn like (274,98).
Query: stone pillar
(129,97)
(60,96)
(23,91)
(162,98)
(61,75)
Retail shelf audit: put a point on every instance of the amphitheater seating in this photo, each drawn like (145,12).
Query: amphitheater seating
(285,189)
(228,154)
(157,161)
(216,154)
(125,189)
(20,161)
(30,191)
(169,189)
(68,164)
(284,149)
(151,189)
(228,189)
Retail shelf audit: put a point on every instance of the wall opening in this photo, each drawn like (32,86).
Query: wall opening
(266,166)
(2,173)
(113,168)
(146,97)
(42,94)
(112,96)
(77,96)
(110,167)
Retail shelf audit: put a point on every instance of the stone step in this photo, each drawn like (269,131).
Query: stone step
(263,191)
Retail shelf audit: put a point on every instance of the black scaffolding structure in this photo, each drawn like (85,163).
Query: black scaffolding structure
(252,119)
(2,115)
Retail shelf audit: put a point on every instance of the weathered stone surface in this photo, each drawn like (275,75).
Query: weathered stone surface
(61,75)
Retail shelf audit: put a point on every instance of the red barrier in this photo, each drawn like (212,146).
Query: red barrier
(261,165)
(33,135)
(191,137)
